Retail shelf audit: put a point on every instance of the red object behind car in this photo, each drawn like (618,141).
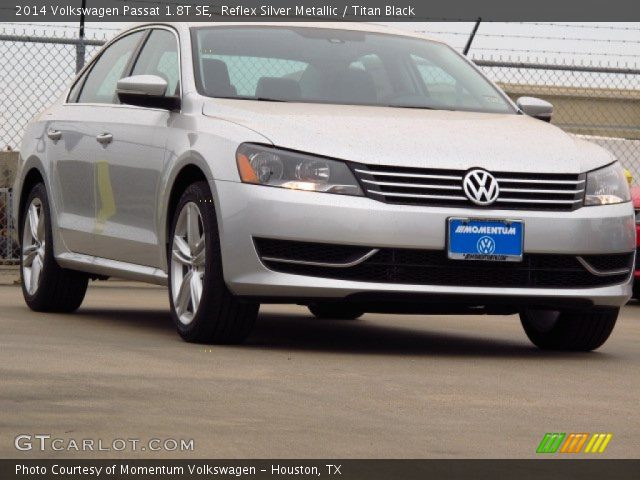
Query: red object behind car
(635,195)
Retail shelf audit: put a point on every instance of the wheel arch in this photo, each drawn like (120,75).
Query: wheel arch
(186,175)
(32,177)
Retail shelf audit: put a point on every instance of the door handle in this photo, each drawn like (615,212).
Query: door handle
(104,138)
(54,135)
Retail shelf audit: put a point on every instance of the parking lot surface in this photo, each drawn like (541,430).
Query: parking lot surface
(384,386)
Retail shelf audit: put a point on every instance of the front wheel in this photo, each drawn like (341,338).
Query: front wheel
(569,330)
(202,307)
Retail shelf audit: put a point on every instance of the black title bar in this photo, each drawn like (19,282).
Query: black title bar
(547,469)
(318,10)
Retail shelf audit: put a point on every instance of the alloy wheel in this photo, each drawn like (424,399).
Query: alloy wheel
(33,246)
(187,262)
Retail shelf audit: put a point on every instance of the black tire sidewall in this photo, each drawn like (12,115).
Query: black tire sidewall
(573,330)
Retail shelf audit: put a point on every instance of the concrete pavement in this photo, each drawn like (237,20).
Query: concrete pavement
(383,386)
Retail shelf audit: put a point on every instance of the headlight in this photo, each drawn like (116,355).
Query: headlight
(606,186)
(280,168)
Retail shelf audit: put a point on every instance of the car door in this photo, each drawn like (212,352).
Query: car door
(72,143)
(131,162)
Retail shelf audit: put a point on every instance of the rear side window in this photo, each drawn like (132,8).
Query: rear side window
(100,85)
(159,57)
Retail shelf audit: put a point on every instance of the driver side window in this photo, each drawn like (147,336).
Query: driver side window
(159,57)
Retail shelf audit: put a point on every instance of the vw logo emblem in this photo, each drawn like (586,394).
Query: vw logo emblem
(486,245)
(480,187)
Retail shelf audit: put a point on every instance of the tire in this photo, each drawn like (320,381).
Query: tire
(46,286)
(636,289)
(336,311)
(576,331)
(202,307)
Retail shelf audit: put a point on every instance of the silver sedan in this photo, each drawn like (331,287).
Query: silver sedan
(349,168)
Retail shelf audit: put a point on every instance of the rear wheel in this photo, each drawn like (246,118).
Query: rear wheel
(335,311)
(578,331)
(202,307)
(46,286)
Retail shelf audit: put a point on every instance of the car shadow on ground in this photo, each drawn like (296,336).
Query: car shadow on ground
(306,333)
(159,320)
(303,332)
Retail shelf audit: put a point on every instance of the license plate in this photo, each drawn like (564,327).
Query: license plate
(487,240)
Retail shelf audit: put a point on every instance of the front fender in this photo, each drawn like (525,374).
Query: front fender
(188,159)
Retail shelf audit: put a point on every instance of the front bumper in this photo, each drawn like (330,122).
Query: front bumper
(249,211)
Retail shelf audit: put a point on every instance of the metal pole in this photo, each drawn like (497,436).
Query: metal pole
(80,47)
(467,47)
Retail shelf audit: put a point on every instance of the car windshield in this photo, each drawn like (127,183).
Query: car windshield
(320,65)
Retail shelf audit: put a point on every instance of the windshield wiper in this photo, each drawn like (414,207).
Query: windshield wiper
(259,99)
(420,107)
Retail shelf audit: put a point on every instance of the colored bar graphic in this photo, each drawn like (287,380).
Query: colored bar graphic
(573,443)
(550,442)
(598,443)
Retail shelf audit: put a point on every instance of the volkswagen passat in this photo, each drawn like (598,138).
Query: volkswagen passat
(348,168)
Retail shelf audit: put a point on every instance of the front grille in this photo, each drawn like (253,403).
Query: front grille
(518,191)
(432,267)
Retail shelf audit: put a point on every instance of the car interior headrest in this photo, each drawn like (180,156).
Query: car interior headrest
(278,88)
(216,78)
(354,86)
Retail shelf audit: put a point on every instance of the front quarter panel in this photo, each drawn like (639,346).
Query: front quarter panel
(33,154)
(207,143)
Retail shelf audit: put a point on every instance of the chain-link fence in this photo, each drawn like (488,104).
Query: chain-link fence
(599,103)
(594,100)
(33,73)
(8,247)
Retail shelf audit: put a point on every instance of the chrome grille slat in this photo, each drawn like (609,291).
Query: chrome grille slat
(414,185)
(554,182)
(535,200)
(563,192)
(410,175)
(422,186)
(417,195)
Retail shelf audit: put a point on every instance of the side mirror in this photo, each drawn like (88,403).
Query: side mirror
(536,108)
(146,91)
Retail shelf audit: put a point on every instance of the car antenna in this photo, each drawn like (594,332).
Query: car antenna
(467,47)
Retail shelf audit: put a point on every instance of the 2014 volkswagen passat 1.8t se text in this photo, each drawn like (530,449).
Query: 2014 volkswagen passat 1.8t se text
(348,168)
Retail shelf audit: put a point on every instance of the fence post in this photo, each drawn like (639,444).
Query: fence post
(80,51)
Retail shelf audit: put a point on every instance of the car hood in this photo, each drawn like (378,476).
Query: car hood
(414,137)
